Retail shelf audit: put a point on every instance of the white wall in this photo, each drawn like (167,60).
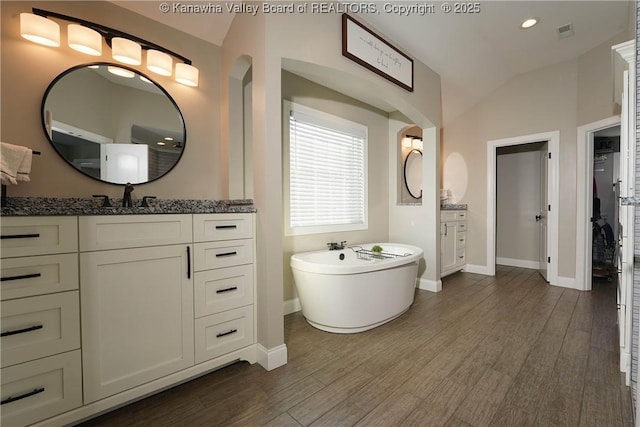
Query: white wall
(549,99)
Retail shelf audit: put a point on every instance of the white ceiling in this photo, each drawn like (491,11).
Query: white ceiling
(473,53)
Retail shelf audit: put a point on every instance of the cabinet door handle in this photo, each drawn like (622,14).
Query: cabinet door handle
(225,227)
(23,276)
(188,262)
(446,229)
(224,334)
(22,396)
(221,291)
(21,331)
(226,254)
(20,236)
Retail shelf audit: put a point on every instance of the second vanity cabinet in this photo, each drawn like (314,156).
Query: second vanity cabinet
(453,241)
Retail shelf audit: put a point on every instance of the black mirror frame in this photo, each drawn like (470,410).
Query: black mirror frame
(77,67)
(406,185)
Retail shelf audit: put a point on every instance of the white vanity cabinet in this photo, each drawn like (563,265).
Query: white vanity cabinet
(453,240)
(40,324)
(100,310)
(137,300)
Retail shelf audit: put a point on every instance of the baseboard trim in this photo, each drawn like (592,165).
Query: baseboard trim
(477,269)
(272,358)
(523,263)
(567,282)
(625,366)
(430,285)
(292,306)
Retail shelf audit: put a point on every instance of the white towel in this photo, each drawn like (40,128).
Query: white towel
(15,163)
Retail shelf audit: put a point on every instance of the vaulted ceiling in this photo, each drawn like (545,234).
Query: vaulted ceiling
(474,53)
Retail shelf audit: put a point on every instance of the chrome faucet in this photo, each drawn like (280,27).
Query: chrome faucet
(333,246)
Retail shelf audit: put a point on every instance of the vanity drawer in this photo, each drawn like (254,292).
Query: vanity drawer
(222,289)
(40,389)
(209,227)
(28,276)
(448,216)
(222,333)
(28,236)
(133,231)
(462,226)
(222,254)
(39,326)
(461,237)
(461,256)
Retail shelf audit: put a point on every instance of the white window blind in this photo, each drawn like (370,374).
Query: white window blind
(327,172)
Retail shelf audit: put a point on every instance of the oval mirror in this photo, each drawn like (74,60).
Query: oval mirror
(413,173)
(113,123)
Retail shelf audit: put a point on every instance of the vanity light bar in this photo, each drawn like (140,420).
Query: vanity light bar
(85,36)
(412,141)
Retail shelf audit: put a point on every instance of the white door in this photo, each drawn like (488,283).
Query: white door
(626,218)
(122,163)
(541,218)
(137,317)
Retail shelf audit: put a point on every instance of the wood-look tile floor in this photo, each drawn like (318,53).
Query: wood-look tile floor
(508,350)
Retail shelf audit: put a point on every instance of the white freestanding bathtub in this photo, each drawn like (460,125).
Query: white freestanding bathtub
(353,289)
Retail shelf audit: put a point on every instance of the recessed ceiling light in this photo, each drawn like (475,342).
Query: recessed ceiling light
(161,143)
(168,138)
(528,23)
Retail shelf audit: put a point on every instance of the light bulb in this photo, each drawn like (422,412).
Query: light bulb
(126,51)
(187,74)
(39,29)
(84,39)
(159,62)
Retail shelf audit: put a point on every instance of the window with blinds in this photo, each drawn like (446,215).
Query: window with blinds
(327,158)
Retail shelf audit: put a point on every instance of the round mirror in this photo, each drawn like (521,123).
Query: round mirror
(413,173)
(113,123)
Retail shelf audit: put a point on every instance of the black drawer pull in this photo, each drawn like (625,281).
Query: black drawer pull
(20,236)
(226,254)
(22,396)
(24,276)
(221,291)
(225,227)
(188,262)
(224,334)
(21,331)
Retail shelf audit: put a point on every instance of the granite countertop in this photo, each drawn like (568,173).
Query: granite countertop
(51,206)
(453,207)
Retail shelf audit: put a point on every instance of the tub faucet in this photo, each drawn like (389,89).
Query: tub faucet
(333,246)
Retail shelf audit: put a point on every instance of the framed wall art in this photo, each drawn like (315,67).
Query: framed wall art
(366,48)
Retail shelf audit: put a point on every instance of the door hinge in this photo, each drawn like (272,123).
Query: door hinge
(549,155)
(548,260)
(549,208)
